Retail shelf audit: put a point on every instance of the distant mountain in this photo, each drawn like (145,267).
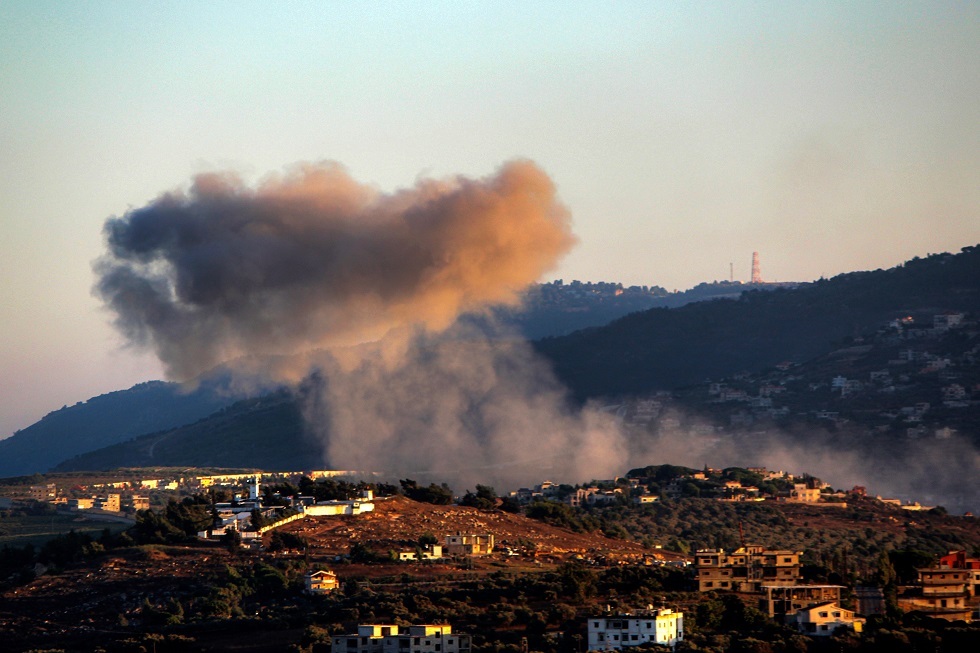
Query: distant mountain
(549,309)
(668,348)
(557,308)
(267,433)
(108,419)
(661,348)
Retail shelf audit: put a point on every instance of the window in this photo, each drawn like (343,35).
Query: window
(595,624)
(823,614)
(837,614)
(788,561)
(824,627)
(709,584)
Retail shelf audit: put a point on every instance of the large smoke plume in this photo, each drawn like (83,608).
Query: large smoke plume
(316,261)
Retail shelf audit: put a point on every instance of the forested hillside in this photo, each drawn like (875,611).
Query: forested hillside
(668,348)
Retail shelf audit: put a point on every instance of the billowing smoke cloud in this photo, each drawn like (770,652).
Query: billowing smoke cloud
(315,259)
(465,409)
(375,283)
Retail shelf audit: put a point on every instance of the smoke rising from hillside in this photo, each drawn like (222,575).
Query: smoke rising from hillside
(461,408)
(933,472)
(315,259)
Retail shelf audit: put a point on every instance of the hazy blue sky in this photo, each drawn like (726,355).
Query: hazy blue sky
(828,136)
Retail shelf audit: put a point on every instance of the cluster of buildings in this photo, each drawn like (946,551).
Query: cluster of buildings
(456,545)
(80,499)
(773,576)
(606,492)
(918,363)
(608,632)
(389,638)
(239,515)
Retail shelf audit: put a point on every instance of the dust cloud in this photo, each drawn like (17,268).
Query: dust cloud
(313,259)
(312,275)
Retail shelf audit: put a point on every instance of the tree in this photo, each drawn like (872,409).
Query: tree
(484,499)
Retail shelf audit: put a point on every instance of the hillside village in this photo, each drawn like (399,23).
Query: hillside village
(332,535)
(910,378)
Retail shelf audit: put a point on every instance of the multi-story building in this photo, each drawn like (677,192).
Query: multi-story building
(109,503)
(942,593)
(389,638)
(747,569)
(959,560)
(782,602)
(612,633)
(47,492)
(468,545)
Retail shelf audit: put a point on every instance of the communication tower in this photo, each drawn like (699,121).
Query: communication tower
(756,268)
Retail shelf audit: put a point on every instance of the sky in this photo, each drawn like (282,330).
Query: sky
(681,137)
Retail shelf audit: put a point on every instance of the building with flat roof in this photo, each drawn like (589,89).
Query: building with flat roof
(612,633)
(781,602)
(746,569)
(389,638)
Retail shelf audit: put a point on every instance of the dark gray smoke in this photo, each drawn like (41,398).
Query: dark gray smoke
(314,259)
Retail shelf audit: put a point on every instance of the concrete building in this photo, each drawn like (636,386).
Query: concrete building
(47,492)
(612,633)
(389,638)
(959,560)
(747,569)
(822,619)
(109,503)
(782,602)
(468,544)
(320,582)
(430,552)
(941,593)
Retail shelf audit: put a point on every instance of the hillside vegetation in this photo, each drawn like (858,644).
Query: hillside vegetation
(668,348)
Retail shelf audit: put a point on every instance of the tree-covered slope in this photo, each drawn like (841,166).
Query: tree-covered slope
(667,348)
(105,420)
(266,433)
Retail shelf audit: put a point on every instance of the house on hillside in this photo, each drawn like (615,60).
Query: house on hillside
(389,638)
(428,552)
(822,619)
(469,544)
(613,633)
(941,593)
(959,560)
(320,582)
(782,602)
(746,569)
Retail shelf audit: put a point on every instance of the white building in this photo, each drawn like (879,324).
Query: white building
(662,626)
(389,638)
